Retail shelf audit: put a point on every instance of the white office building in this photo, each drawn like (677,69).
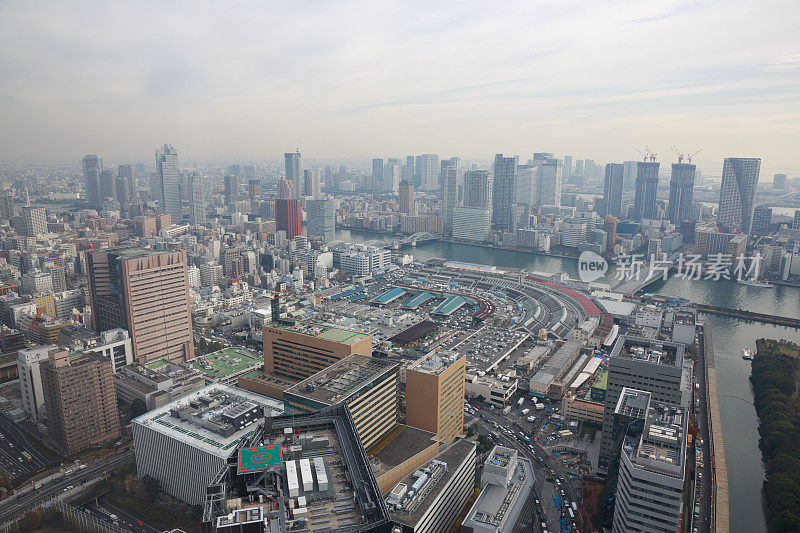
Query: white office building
(30,379)
(649,493)
(185,443)
(471,223)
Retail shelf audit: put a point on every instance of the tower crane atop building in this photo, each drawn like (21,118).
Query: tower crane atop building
(682,156)
(647,154)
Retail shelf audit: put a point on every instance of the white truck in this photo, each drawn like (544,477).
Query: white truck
(525,411)
(519,402)
(540,407)
(506,409)
(531,419)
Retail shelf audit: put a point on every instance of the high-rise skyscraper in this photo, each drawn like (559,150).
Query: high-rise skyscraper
(169,180)
(612,190)
(391,175)
(253,189)
(449,195)
(147,293)
(107,185)
(285,188)
(321,219)
(292,164)
(779,182)
(652,366)
(288,216)
(79,399)
(478,185)
(406,198)
(231,188)
(311,185)
(548,184)
(34,221)
(629,174)
(126,171)
(681,192)
(505,177)
(197,199)
(644,203)
(610,227)
(429,172)
(567,165)
(737,195)
(7,205)
(527,184)
(376,178)
(762,219)
(121,193)
(92,166)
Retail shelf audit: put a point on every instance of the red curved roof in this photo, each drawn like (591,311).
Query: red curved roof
(588,305)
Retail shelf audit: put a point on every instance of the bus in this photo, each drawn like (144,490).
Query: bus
(495,435)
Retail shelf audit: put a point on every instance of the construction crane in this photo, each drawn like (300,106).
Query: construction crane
(646,154)
(682,156)
(690,156)
(678,153)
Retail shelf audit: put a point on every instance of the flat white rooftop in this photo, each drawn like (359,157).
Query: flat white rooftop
(192,432)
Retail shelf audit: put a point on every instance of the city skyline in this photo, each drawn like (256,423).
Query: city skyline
(174,83)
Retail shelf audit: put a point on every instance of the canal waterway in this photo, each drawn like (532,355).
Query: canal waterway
(739,421)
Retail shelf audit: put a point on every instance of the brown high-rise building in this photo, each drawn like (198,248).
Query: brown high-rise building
(147,293)
(406,193)
(79,399)
(302,349)
(610,227)
(435,394)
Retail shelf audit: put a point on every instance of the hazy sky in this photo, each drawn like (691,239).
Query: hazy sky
(254,79)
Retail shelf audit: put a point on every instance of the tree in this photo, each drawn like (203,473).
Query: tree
(138,408)
(202,343)
(151,487)
(30,521)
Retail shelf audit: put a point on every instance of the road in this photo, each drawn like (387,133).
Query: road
(18,504)
(13,446)
(103,509)
(702,476)
(540,459)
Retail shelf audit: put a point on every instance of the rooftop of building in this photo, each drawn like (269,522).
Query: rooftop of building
(343,378)
(225,362)
(498,506)
(199,419)
(661,445)
(632,403)
(438,473)
(320,331)
(651,351)
(415,332)
(435,362)
(407,442)
(601,380)
(319,459)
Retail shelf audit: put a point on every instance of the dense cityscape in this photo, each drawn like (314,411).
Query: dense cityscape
(161,324)
(364,267)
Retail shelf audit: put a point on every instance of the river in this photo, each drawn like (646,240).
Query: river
(739,421)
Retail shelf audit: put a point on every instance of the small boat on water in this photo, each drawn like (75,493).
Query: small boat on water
(756,283)
(747,355)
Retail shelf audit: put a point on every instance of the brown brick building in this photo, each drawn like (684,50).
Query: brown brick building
(435,394)
(147,293)
(79,400)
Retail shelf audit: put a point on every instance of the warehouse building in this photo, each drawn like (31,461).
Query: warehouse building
(185,443)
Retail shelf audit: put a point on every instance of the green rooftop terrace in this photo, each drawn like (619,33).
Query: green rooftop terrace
(225,362)
(321,331)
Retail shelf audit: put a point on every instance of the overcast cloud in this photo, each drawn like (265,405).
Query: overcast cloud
(355,78)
